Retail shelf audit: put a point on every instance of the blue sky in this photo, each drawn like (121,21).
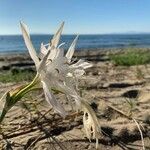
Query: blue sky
(80,16)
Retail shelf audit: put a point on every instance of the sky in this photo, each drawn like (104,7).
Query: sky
(80,16)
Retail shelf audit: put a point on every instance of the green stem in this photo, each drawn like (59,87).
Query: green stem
(12,100)
(28,87)
(3,114)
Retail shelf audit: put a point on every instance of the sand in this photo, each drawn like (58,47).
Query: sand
(107,87)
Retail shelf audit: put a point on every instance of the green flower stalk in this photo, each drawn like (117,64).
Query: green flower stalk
(12,97)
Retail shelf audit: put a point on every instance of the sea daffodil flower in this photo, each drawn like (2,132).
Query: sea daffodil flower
(55,69)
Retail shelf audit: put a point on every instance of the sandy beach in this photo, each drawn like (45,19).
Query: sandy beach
(110,90)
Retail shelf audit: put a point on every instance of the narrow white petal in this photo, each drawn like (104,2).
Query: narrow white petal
(60,53)
(43,62)
(81,64)
(85,65)
(29,44)
(56,38)
(61,44)
(78,62)
(51,100)
(43,51)
(54,43)
(71,49)
(90,122)
(56,53)
(53,53)
(67,90)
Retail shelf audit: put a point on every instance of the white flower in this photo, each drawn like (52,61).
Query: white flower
(56,71)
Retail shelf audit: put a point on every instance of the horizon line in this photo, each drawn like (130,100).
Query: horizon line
(18,34)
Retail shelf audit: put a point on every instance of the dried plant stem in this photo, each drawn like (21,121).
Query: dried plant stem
(119,111)
(122,113)
(45,113)
(34,142)
(142,139)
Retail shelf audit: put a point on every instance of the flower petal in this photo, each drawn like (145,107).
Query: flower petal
(43,62)
(51,100)
(71,49)
(85,65)
(81,64)
(54,43)
(61,45)
(43,50)
(53,53)
(69,91)
(56,37)
(90,122)
(60,53)
(29,44)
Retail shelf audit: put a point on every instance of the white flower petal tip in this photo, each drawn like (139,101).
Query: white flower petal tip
(28,43)
(71,49)
(56,37)
(24,27)
(81,64)
(86,65)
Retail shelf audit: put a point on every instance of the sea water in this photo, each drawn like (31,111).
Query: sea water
(15,43)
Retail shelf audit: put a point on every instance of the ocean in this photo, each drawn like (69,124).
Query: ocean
(15,43)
